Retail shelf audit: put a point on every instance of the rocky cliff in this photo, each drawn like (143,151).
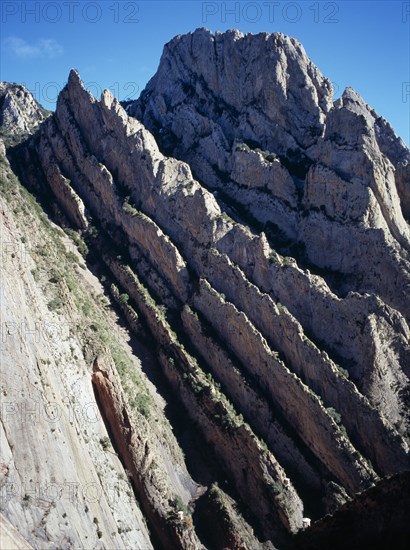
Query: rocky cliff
(376,519)
(20,113)
(252,235)
(254,118)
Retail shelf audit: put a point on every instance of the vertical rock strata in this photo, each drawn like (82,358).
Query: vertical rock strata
(258,231)
(215,94)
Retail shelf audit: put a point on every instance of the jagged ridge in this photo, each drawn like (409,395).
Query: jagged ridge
(256,320)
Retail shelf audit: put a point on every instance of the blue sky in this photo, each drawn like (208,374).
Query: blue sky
(118,44)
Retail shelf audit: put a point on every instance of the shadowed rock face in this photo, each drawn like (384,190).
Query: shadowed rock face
(204,203)
(378,518)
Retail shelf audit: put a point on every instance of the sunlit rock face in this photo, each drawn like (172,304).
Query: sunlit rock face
(252,234)
(19,111)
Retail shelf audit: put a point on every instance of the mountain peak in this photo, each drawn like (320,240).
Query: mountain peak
(20,113)
(244,288)
(248,77)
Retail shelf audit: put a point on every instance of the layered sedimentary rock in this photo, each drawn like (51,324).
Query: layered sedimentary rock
(63,483)
(206,111)
(58,486)
(255,232)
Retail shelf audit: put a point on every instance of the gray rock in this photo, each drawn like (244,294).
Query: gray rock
(237,171)
(19,111)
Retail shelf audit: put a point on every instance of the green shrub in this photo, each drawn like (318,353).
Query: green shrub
(56,277)
(123,298)
(277,487)
(71,257)
(335,415)
(343,371)
(55,304)
(78,241)
(128,207)
(105,442)
(92,231)
(242,147)
(142,402)
(179,505)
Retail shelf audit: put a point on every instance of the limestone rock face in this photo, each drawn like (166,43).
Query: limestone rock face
(254,118)
(365,155)
(254,235)
(250,169)
(241,80)
(58,487)
(19,111)
(62,484)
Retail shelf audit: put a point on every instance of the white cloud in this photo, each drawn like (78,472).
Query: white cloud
(46,48)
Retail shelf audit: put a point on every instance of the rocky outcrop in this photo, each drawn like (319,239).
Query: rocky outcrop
(49,416)
(256,408)
(139,458)
(269,86)
(255,235)
(377,518)
(285,335)
(355,148)
(20,113)
(257,476)
(345,161)
(309,419)
(55,326)
(228,530)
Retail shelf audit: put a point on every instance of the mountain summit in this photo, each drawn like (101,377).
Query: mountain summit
(230,294)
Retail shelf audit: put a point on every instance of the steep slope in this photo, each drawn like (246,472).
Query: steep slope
(254,118)
(20,113)
(327,183)
(57,326)
(73,393)
(292,382)
(49,415)
(377,519)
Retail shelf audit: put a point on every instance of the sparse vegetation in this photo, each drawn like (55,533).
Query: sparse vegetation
(343,372)
(105,443)
(56,277)
(123,298)
(242,147)
(335,415)
(277,487)
(142,402)
(55,304)
(267,155)
(11,139)
(78,241)
(129,207)
(179,505)
(57,264)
